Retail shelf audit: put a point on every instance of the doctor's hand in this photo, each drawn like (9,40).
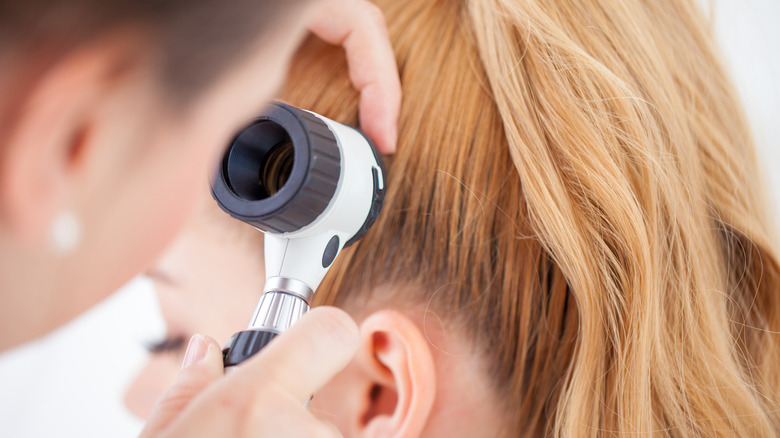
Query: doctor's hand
(360,28)
(265,395)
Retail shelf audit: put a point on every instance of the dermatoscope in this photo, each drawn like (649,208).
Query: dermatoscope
(313,186)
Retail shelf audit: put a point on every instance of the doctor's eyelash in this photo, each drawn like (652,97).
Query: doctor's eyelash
(167,345)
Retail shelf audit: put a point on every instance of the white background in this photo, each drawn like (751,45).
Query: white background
(70,384)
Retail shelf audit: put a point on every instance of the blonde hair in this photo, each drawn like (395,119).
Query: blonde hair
(576,185)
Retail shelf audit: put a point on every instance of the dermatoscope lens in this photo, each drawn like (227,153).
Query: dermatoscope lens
(260,161)
(278,167)
(281,171)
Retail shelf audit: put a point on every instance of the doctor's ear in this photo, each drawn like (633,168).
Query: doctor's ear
(56,113)
(389,388)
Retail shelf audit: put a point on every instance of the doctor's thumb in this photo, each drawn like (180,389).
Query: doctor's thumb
(202,365)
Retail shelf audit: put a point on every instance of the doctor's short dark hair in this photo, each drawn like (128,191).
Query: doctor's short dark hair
(198,39)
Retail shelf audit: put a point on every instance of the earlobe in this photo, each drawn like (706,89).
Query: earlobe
(397,360)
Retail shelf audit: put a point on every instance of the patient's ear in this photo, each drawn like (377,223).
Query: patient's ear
(389,388)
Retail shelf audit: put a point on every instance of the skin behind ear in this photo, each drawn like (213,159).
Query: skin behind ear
(388,390)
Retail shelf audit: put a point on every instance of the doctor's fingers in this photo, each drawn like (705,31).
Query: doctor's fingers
(266,418)
(359,26)
(265,396)
(202,367)
(302,360)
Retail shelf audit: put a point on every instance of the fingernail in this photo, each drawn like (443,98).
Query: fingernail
(196,351)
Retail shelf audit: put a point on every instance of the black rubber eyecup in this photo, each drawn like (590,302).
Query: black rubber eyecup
(280,172)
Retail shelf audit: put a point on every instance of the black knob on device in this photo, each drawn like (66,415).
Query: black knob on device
(244,345)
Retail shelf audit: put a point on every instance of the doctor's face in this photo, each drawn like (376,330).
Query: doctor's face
(143,165)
